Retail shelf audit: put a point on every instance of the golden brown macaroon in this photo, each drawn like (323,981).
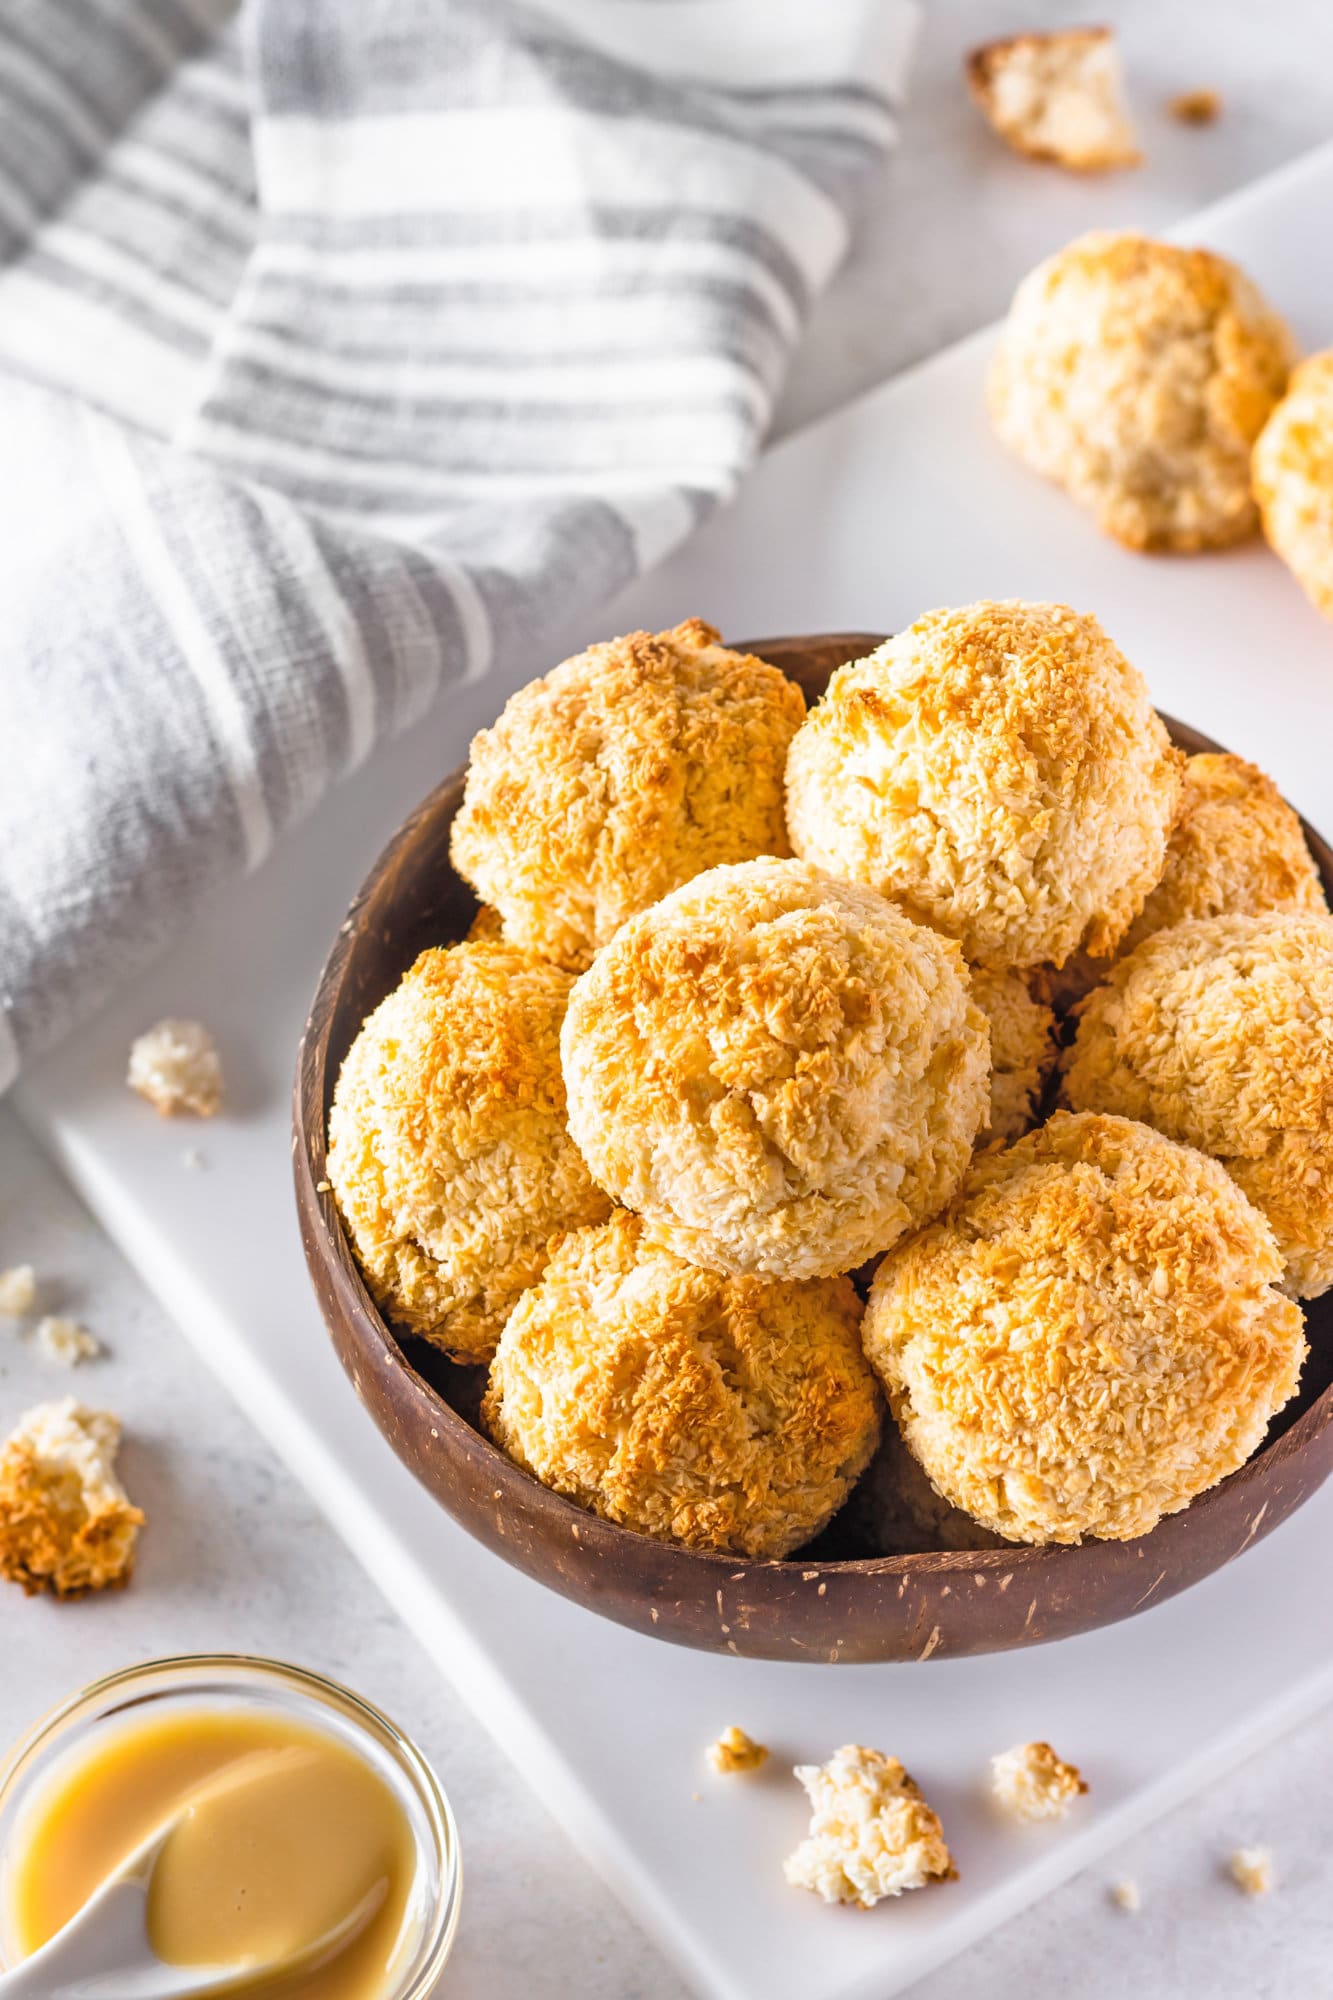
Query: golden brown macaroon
(997,770)
(1236,850)
(1219,1032)
(623,773)
(1293,479)
(1138,375)
(1022,1051)
(67,1525)
(1089,1338)
(716,1412)
(448,1150)
(1057,97)
(780,1071)
(897,1512)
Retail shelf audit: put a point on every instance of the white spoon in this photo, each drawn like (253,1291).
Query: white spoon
(104,1953)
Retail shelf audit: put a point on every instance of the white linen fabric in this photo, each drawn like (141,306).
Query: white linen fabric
(338,342)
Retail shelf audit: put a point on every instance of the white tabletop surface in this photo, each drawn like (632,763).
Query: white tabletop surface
(238,1559)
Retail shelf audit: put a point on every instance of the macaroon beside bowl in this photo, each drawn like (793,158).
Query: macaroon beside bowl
(819,1605)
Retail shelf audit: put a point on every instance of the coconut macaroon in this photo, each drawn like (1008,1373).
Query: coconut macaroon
(67,1525)
(1057,97)
(448,1151)
(1022,1050)
(1293,479)
(1236,850)
(1138,375)
(1219,1032)
(899,1513)
(780,1071)
(871,1835)
(1090,1337)
(998,771)
(716,1412)
(623,773)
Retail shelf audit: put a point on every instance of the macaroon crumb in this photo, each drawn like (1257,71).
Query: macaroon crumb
(735,1751)
(67,1524)
(1058,97)
(175,1065)
(1125,1896)
(1196,107)
(18,1291)
(65,1341)
(871,1833)
(1251,1869)
(1032,1783)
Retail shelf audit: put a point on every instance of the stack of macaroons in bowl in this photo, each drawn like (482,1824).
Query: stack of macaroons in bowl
(728,1143)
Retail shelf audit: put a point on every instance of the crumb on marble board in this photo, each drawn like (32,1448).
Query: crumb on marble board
(18,1291)
(1251,1870)
(735,1751)
(1125,1895)
(65,1341)
(1057,96)
(1032,1783)
(871,1832)
(176,1067)
(67,1524)
(1196,107)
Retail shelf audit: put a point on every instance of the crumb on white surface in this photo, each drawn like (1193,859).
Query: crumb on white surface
(1057,96)
(1125,1895)
(1252,1870)
(1196,107)
(175,1065)
(1032,1783)
(65,1341)
(871,1833)
(18,1291)
(66,1523)
(735,1751)
(193,1159)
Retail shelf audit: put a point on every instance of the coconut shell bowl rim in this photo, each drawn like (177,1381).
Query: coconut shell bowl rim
(810,1607)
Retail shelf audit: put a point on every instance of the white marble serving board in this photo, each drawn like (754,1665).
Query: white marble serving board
(899,503)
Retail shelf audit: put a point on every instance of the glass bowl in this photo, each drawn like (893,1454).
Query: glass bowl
(224,1680)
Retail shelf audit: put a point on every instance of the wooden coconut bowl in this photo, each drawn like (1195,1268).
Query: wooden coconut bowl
(819,1605)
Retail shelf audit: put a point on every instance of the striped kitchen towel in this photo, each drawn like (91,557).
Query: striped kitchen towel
(339,341)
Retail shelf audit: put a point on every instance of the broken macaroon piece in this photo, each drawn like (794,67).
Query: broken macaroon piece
(67,1524)
(64,1341)
(1032,1783)
(18,1291)
(1251,1869)
(871,1835)
(175,1065)
(1057,97)
(735,1751)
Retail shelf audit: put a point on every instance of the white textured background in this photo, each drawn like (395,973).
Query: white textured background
(237,1558)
